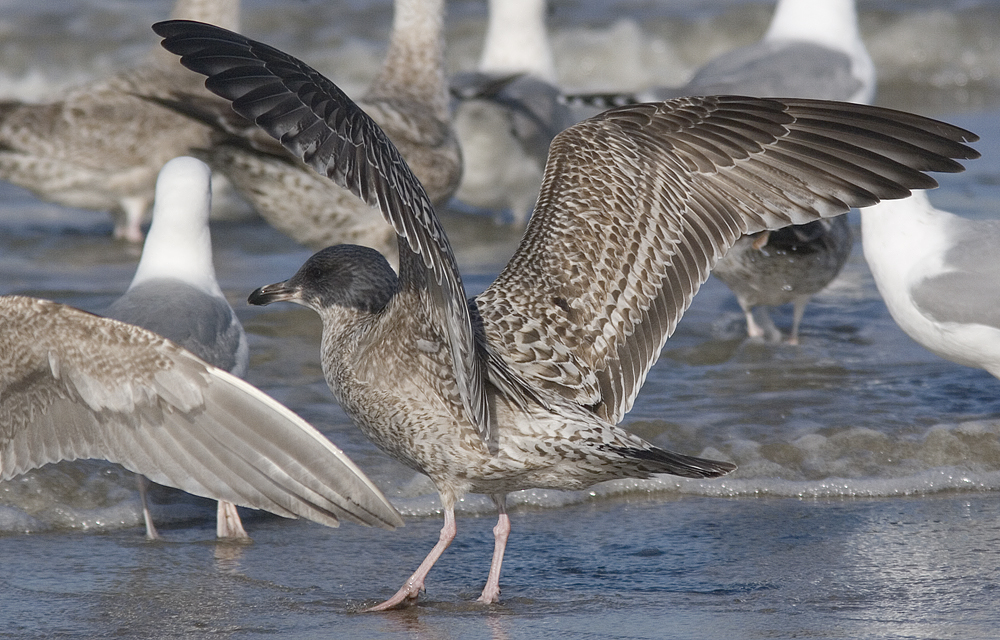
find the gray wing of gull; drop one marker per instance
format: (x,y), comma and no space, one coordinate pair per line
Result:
(798,69)
(318,123)
(74,385)
(764,69)
(639,203)
(968,290)
(202,323)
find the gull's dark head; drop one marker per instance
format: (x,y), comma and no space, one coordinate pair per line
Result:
(345,276)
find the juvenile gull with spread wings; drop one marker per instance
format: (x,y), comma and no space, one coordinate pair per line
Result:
(75,385)
(523,385)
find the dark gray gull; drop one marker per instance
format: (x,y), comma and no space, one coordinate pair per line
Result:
(772,268)
(523,385)
(409,100)
(174,293)
(98,146)
(75,385)
(939,276)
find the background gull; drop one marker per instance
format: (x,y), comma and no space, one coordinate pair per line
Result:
(772,268)
(99,146)
(811,49)
(174,292)
(409,99)
(523,386)
(509,110)
(75,385)
(939,276)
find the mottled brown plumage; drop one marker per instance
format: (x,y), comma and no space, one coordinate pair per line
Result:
(523,386)
(99,146)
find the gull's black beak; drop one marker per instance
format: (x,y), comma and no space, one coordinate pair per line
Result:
(277,292)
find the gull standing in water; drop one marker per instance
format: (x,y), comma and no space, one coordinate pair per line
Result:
(523,386)
(99,146)
(175,294)
(811,49)
(75,385)
(939,276)
(408,99)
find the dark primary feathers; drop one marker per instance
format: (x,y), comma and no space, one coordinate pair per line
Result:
(317,122)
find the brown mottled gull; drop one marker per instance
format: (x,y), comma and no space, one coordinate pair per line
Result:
(99,146)
(75,385)
(408,99)
(174,293)
(523,385)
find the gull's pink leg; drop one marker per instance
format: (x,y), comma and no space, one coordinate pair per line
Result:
(491,593)
(228,523)
(411,588)
(800,308)
(151,532)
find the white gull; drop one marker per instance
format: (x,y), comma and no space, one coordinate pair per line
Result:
(939,276)
(174,292)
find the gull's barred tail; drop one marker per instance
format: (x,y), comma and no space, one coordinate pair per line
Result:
(656,460)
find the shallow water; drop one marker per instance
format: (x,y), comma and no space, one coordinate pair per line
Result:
(866,500)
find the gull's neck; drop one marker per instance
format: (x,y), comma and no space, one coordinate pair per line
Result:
(517,40)
(414,63)
(179,244)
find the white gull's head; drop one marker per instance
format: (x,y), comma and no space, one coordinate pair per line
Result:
(179,244)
